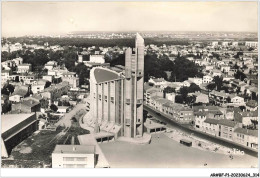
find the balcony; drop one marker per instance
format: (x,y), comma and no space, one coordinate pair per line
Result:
(127,101)
(128,122)
(138,122)
(139,74)
(139,101)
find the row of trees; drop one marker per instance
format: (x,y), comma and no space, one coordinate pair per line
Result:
(180,69)
(83,42)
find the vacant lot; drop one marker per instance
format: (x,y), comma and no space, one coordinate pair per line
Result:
(36,150)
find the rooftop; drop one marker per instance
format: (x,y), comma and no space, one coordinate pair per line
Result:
(247,132)
(212,121)
(226,122)
(102,75)
(75,149)
(11,120)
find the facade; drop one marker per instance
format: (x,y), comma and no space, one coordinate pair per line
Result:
(5,75)
(207,79)
(251,43)
(210,126)
(197,81)
(71,78)
(178,112)
(36,88)
(73,156)
(219,98)
(24,68)
(226,129)
(170,96)
(118,98)
(97,59)
(150,92)
(246,137)
(237,100)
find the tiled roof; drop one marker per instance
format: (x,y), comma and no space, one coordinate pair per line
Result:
(226,122)
(20,92)
(238,117)
(212,121)
(30,103)
(155,97)
(247,132)
(201,113)
(162,100)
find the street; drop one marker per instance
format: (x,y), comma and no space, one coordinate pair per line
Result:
(65,120)
(174,125)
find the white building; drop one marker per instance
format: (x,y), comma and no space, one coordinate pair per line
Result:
(197,81)
(170,96)
(36,88)
(225,43)
(207,79)
(214,43)
(234,43)
(251,43)
(73,156)
(24,68)
(97,59)
(237,100)
(63,109)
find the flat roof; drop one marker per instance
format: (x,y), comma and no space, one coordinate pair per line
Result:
(11,120)
(102,75)
(75,149)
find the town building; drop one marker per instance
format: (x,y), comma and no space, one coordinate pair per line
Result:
(246,137)
(226,129)
(26,106)
(97,59)
(207,79)
(24,68)
(251,44)
(74,156)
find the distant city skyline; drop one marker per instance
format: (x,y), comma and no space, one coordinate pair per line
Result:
(59,18)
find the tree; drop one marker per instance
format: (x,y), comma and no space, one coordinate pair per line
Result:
(179,99)
(169,90)
(7,89)
(218,82)
(184,92)
(190,99)
(6,107)
(193,88)
(73,119)
(47,84)
(211,86)
(54,107)
(240,75)
(83,73)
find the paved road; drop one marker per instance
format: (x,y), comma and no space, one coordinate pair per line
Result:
(65,120)
(172,124)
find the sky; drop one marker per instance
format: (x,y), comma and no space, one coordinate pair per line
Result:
(57,18)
